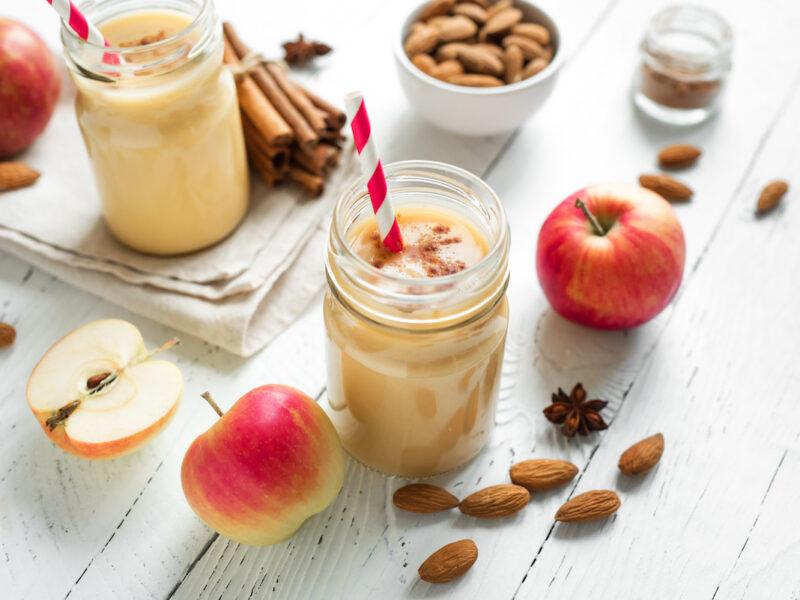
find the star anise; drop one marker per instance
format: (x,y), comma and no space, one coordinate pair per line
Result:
(576,413)
(301,51)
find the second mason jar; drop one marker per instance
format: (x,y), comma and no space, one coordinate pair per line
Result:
(414,362)
(160,120)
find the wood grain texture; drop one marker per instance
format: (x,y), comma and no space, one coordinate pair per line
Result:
(716,372)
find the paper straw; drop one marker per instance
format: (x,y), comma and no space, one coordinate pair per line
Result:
(373,171)
(85,30)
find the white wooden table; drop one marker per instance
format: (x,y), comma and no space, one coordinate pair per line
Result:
(718,372)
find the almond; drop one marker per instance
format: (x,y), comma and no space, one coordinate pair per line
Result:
(446,68)
(455,29)
(493,48)
(501,22)
(771,195)
(535,66)
(473,11)
(530,48)
(678,156)
(498,7)
(542,474)
(480,60)
(474,80)
(421,40)
(642,456)
(424,62)
(15,175)
(435,8)
(7,335)
(450,51)
(449,562)
(666,186)
(538,33)
(513,60)
(484,4)
(424,498)
(590,506)
(495,501)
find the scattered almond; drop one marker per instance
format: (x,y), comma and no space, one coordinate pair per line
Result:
(446,68)
(678,156)
(530,48)
(513,60)
(642,456)
(542,474)
(15,175)
(480,60)
(7,335)
(538,33)
(473,11)
(456,29)
(666,186)
(589,506)
(495,501)
(449,562)
(537,65)
(436,8)
(474,80)
(424,498)
(500,22)
(422,40)
(771,195)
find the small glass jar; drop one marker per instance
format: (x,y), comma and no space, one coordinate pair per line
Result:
(686,57)
(161,124)
(414,364)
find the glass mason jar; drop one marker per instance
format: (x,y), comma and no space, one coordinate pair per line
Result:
(414,364)
(161,124)
(686,58)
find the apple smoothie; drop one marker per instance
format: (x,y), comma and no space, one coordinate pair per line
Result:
(415,339)
(162,128)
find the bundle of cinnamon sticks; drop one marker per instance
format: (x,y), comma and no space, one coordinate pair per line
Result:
(289,131)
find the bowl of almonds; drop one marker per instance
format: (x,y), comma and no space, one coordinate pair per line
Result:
(477,67)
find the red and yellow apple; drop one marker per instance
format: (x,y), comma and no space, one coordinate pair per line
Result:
(611,256)
(268,464)
(29,86)
(97,393)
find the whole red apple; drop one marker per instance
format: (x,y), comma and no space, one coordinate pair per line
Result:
(29,86)
(268,464)
(611,256)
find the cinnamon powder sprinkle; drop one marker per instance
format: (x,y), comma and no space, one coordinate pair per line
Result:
(148,39)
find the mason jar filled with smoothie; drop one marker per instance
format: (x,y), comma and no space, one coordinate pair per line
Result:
(160,120)
(415,339)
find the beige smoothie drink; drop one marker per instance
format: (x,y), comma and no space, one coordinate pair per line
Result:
(416,339)
(164,133)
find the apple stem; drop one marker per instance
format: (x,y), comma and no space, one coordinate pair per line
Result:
(207,397)
(592,219)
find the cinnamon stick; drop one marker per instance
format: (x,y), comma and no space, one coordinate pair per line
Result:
(313,185)
(307,137)
(320,161)
(334,117)
(262,164)
(263,115)
(314,115)
(277,155)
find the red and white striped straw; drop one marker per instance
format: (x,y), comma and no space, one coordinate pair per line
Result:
(81,26)
(373,171)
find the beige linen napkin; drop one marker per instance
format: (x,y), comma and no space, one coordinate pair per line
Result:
(238,294)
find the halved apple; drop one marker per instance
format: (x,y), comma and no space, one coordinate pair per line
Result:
(97,393)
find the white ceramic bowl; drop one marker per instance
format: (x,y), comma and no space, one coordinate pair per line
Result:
(478,111)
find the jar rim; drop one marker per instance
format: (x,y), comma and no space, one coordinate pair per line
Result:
(698,16)
(359,187)
(396,301)
(103,71)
